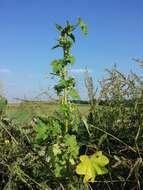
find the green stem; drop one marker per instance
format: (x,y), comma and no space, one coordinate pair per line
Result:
(65,90)
(65,98)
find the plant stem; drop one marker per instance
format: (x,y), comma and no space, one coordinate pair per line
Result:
(65,90)
(65,98)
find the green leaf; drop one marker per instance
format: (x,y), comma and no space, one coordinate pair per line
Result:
(59,27)
(70,140)
(86,125)
(71,59)
(91,166)
(41,130)
(58,169)
(71,82)
(83,26)
(59,87)
(57,65)
(102,139)
(74,94)
(64,84)
(56,46)
(56,149)
(72,37)
(72,146)
(56,128)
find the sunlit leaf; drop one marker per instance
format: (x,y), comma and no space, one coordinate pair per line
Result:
(74,94)
(82,25)
(91,166)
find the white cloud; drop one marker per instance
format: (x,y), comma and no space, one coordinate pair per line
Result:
(80,71)
(5,71)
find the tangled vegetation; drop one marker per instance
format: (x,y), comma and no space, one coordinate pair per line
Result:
(68,151)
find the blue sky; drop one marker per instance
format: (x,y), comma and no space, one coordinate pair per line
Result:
(27,33)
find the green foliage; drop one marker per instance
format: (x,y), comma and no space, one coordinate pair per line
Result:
(41,131)
(57,66)
(83,26)
(66,39)
(64,84)
(116,124)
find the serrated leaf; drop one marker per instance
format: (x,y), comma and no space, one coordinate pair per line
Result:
(56,128)
(57,65)
(70,140)
(82,25)
(41,131)
(91,166)
(72,146)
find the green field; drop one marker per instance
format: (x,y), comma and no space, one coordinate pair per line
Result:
(39,108)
